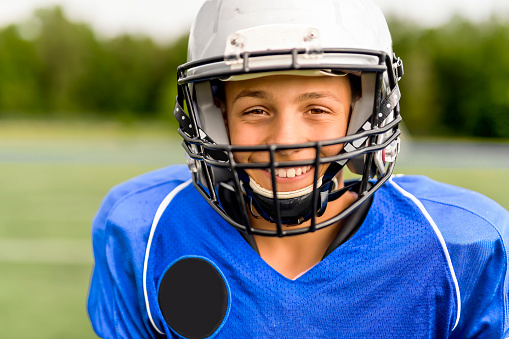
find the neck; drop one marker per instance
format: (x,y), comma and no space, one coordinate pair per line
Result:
(293,255)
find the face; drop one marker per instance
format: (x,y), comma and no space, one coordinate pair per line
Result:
(287,109)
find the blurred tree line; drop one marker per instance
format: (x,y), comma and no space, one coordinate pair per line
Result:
(50,66)
(456,82)
(457,77)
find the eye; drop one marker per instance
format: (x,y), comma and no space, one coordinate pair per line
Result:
(318,111)
(256,111)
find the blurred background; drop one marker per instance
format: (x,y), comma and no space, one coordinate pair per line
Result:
(87,91)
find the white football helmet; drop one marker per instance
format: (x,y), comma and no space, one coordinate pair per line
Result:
(237,39)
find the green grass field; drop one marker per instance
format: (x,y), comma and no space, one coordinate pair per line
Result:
(53,178)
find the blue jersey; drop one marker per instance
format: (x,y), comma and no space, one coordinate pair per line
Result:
(429,261)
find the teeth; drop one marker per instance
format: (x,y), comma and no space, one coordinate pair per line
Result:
(292,172)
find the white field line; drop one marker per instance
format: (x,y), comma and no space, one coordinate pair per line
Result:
(47,251)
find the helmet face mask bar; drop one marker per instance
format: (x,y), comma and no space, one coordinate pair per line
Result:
(206,157)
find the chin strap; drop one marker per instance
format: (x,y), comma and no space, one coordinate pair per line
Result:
(295,210)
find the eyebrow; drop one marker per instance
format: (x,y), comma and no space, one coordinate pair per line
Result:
(317,95)
(259,94)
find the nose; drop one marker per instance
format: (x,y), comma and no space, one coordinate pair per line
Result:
(286,130)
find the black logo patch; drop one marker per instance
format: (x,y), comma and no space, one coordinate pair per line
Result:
(193,298)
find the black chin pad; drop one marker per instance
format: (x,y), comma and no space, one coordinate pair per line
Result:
(294,211)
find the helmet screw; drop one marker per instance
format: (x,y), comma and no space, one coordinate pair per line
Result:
(236,40)
(311,35)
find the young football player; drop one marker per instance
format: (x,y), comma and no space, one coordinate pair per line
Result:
(260,235)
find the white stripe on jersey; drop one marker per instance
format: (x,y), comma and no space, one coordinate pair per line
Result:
(442,242)
(160,210)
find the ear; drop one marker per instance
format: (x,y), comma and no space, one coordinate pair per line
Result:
(355,87)
(356,90)
(222,106)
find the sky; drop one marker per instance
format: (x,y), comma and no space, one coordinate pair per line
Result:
(166,19)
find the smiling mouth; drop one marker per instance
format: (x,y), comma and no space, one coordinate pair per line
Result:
(291,172)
